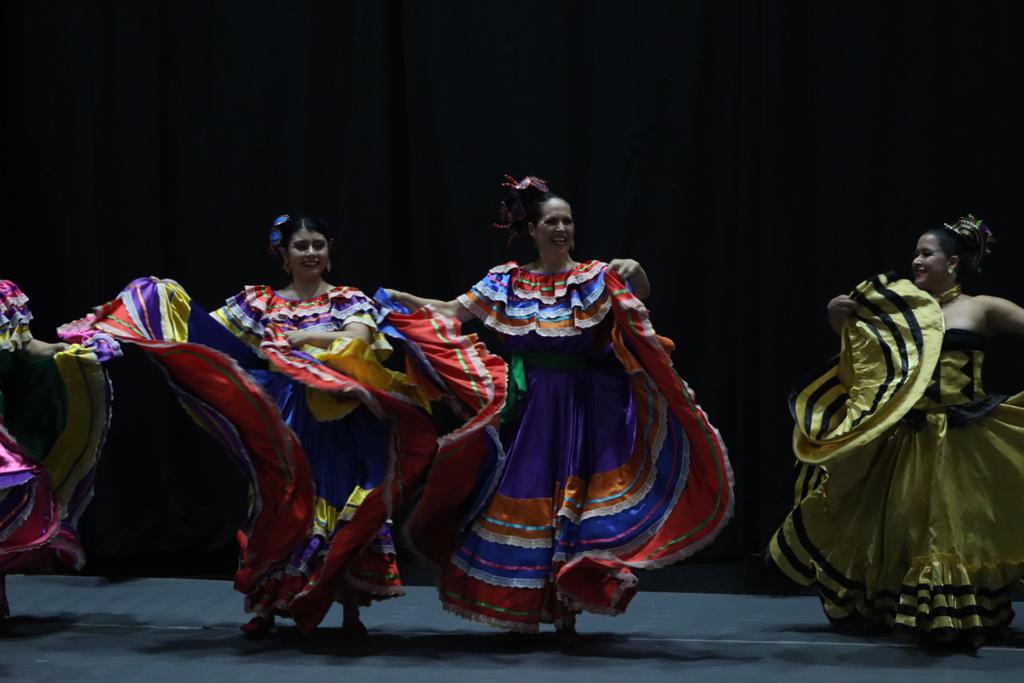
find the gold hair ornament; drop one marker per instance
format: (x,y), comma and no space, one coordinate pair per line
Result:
(977,235)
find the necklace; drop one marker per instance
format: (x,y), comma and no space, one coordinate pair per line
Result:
(949,294)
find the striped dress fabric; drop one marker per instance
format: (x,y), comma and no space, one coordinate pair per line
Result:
(54,416)
(277,410)
(607,465)
(317,431)
(909,479)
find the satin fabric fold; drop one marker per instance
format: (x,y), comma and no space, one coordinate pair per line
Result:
(213,373)
(908,523)
(54,416)
(609,466)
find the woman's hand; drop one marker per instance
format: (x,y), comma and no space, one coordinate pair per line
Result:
(404,298)
(840,309)
(410,301)
(40,349)
(450,309)
(299,338)
(625,267)
(323,339)
(630,269)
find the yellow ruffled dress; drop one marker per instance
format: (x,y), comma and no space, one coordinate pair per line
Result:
(910,491)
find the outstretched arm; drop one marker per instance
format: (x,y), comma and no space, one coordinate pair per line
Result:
(450,309)
(629,269)
(1002,315)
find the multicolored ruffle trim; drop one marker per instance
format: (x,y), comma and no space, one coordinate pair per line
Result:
(247,314)
(15,317)
(515,301)
(678,498)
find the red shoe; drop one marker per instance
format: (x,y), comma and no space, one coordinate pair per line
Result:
(258,626)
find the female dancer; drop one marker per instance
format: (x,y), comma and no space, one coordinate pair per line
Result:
(607,464)
(345,444)
(909,522)
(54,413)
(354,419)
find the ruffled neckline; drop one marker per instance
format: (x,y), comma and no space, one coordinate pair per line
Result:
(256,304)
(275,294)
(547,287)
(559,273)
(515,301)
(268,299)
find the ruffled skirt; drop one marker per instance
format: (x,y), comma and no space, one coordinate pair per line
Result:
(347,458)
(54,415)
(919,530)
(346,448)
(591,473)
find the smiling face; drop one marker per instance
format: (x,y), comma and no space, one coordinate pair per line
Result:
(931,265)
(554,228)
(307,255)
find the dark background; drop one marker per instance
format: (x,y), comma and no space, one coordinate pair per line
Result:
(757,157)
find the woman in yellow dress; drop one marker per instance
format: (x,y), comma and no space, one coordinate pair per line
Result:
(912,476)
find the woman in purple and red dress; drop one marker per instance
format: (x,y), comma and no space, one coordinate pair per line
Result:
(54,413)
(291,381)
(605,462)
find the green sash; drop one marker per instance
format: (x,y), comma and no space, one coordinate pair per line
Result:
(517,365)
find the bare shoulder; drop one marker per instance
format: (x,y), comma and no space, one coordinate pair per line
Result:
(992,302)
(1001,315)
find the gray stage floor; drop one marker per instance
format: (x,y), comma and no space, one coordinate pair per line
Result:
(87,629)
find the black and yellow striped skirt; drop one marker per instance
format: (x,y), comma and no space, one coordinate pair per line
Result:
(918,530)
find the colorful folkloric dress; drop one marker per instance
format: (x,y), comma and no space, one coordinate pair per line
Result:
(605,463)
(54,414)
(345,444)
(315,430)
(912,478)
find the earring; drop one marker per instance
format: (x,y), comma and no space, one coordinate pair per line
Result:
(328,268)
(951,270)
(287,268)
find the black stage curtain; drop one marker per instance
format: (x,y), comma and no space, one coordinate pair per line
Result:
(757,157)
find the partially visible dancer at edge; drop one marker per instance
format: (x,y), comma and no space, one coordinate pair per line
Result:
(291,381)
(912,484)
(54,414)
(607,463)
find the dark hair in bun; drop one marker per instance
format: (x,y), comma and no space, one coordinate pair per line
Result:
(968,238)
(522,203)
(287,225)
